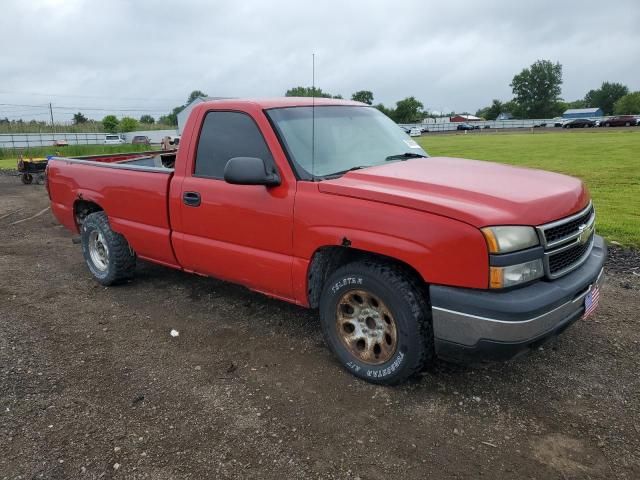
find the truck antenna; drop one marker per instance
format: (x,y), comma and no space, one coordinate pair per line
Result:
(313,116)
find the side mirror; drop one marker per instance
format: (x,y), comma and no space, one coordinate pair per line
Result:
(250,171)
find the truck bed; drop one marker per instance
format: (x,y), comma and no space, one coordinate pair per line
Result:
(156,158)
(116,183)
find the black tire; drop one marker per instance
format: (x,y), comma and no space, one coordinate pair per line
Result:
(26,178)
(120,262)
(627,124)
(402,296)
(607,125)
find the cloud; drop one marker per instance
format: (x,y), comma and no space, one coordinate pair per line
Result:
(149,55)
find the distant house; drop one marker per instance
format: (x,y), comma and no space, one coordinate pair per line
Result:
(504,116)
(184,114)
(583,112)
(465,118)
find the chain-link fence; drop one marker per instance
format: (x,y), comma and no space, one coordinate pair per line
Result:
(14,144)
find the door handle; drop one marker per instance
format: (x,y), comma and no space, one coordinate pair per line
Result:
(192,199)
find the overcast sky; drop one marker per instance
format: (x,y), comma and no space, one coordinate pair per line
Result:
(148,55)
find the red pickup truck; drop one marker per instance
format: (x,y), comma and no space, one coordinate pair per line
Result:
(330,205)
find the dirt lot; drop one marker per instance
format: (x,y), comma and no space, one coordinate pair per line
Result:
(92,384)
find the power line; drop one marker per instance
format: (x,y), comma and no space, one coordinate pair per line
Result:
(112,109)
(78,108)
(154,99)
(20,105)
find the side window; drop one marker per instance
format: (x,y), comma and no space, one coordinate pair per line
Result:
(227,135)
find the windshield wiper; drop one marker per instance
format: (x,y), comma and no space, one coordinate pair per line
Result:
(404,156)
(339,174)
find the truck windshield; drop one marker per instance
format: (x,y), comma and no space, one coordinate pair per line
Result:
(346,138)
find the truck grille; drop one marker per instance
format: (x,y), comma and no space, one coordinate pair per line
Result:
(568,242)
(559,232)
(565,259)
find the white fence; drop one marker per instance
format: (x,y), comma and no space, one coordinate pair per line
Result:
(27,140)
(446,125)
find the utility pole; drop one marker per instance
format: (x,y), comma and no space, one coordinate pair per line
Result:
(51,113)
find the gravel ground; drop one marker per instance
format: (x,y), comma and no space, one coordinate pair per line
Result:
(92,384)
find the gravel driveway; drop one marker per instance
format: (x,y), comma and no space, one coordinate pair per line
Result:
(93,385)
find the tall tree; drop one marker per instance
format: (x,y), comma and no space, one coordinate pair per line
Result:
(389,112)
(364,96)
(172,117)
(537,88)
(128,124)
(629,104)
(148,119)
(110,123)
(492,111)
(577,104)
(606,96)
(408,110)
(195,94)
(79,118)
(309,92)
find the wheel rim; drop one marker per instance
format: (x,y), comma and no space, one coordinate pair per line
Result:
(98,250)
(366,327)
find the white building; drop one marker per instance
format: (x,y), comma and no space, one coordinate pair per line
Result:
(184,114)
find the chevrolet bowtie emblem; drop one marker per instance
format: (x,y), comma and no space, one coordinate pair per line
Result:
(584,234)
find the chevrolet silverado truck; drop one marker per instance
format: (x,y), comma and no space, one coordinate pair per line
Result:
(328,204)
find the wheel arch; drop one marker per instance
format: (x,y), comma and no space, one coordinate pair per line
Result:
(82,208)
(327,259)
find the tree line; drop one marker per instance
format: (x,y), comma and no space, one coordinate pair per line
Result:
(407,110)
(537,89)
(536,94)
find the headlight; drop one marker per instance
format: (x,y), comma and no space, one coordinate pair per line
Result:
(510,239)
(503,277)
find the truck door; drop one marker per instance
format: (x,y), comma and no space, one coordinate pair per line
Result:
(239,233)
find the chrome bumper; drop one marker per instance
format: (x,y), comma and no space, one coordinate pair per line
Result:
(481,320)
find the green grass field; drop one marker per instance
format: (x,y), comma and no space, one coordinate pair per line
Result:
(608,162)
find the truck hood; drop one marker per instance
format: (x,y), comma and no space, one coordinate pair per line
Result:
(476,192)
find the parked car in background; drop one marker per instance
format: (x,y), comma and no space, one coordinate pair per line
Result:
(113,139)
(559,122)
(467,126)
(60,143)
(620,121)
(140,140)
(579,123)
(415,132)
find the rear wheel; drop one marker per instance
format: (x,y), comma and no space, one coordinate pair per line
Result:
(376,320)
(107,253)
(627,124)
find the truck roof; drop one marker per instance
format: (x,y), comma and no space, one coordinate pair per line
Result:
(279,102)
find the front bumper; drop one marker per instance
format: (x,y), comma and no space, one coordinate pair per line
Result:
(473,326)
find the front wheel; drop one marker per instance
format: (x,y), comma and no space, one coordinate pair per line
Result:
(376,320)
(26,178)
(107,253)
